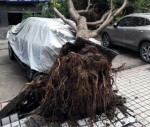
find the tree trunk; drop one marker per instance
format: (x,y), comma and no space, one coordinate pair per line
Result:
(83,30)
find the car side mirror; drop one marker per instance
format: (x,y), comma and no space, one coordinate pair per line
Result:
(115,25)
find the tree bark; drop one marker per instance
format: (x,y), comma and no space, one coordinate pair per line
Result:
(83,30)
(81,22)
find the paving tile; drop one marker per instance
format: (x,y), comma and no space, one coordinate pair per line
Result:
(8,125)
(135,84)
(148,118)
(14,118)
(137,101)
(138,125)
(137,106)
(139,117)
(65,124)
(137,111)
(15,124)
(5,121)
(148,112)
(147,106)
(147,101)
(133,107)
(143,121)
(143,109)
(107,122)
(124,121)
(114,120)
(24,125)
(88,120)
(120,116)
(143,115)
(148,125)
(103,117)
(22,121)
(98,124)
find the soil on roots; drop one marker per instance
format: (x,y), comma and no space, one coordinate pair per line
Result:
(78,85)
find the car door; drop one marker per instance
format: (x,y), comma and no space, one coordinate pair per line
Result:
(118,34)
(135,32)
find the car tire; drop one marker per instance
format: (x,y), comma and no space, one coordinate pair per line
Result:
(30,73)
(145,52)
(106,41)
(11,52)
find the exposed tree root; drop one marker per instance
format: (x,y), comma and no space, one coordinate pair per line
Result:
(78,85)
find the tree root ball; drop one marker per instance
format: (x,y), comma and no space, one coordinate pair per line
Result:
(79,84)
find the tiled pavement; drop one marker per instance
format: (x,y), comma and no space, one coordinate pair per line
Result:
(134,84)
(119,120)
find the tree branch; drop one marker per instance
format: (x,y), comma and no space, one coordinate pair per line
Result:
(111,10)
(73,13)
(86,10)
(63,18)
(107,22)
(89,4)
(100,21)
(81,12)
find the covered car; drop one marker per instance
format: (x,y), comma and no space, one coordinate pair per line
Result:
(36,42)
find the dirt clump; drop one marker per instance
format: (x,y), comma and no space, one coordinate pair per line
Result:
(78,85)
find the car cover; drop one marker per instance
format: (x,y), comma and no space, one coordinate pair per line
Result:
(37,41)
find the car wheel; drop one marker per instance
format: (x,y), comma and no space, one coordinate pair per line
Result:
(106,42)
(30,73)
(145,52)
(11,52)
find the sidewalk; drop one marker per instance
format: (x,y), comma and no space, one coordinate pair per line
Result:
(134,84)
(3,32)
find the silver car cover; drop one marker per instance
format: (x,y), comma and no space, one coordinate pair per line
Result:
(37,41)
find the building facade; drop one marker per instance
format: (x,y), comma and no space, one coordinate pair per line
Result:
(11,10)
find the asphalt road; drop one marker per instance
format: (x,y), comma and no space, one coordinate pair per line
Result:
(13,76)
(131,58)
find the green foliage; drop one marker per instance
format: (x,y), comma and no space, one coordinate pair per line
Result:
(64,9)
(47,11)
(27,14)
(133,6)
(139,6)
(142,6)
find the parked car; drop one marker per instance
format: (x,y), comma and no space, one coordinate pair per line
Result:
(132,31)
(36,42)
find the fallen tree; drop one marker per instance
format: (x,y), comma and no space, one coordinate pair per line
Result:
(80,82)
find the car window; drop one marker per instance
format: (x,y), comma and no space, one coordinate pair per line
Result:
(138,21)
(147,22)
(125,22)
